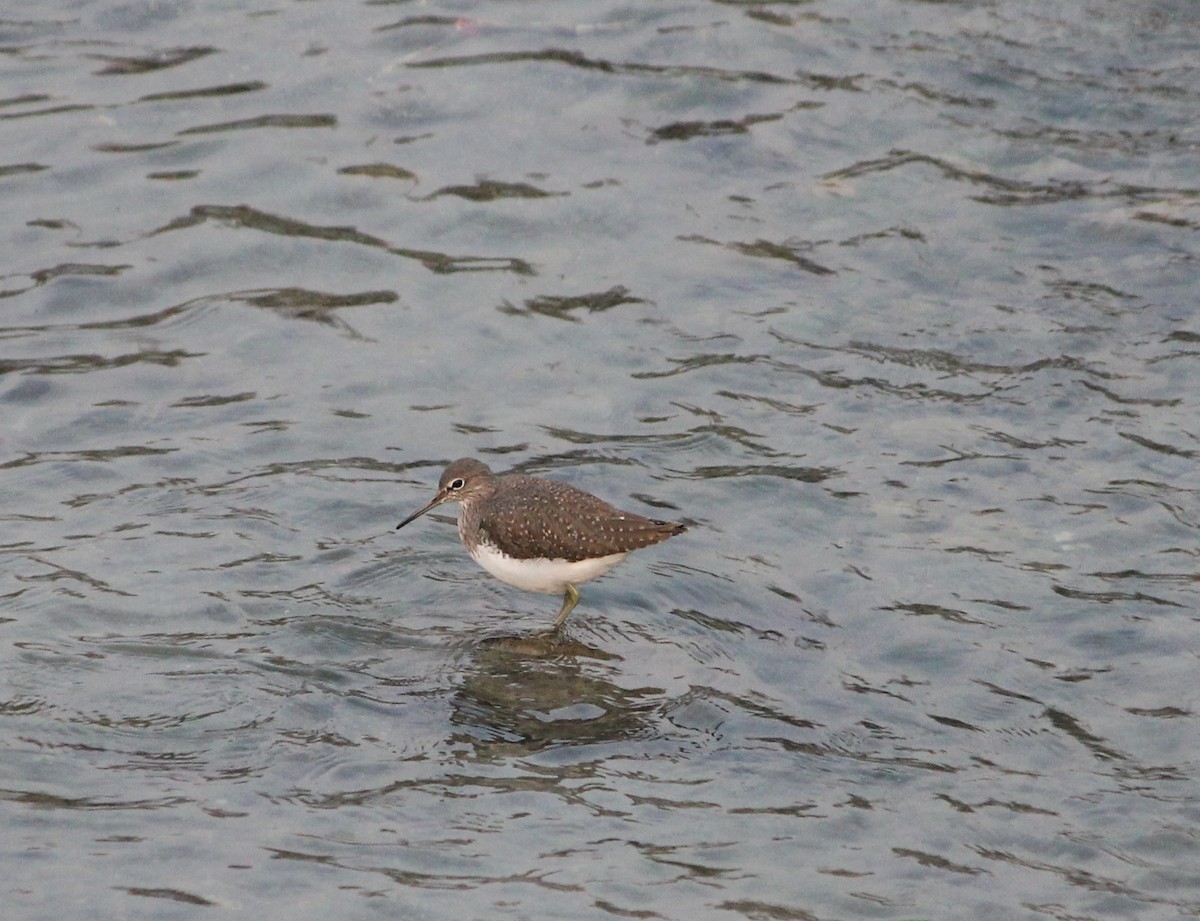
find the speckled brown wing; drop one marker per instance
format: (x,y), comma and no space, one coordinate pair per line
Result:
(529,518)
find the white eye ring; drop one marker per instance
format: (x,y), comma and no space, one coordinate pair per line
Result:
(457,484)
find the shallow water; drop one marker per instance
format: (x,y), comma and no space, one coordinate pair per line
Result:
(896,308)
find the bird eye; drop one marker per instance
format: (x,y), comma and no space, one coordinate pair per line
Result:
(457,484)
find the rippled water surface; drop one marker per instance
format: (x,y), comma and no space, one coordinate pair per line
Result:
(894,304)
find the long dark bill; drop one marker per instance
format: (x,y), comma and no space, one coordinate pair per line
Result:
(432,504)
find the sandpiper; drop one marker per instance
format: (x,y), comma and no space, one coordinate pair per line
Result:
(540,535)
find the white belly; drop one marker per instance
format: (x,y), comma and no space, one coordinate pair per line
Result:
(548,576)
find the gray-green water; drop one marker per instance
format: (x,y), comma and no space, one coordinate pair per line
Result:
(895,304)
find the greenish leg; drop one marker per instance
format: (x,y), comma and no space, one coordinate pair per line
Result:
(570,599)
